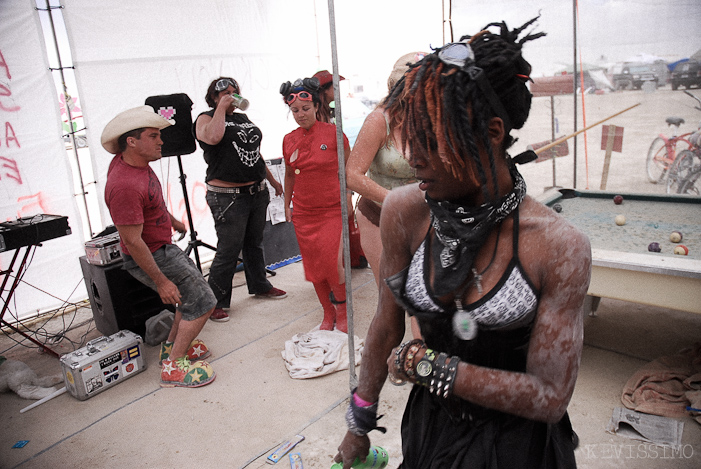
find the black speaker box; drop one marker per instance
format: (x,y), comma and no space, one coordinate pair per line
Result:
(118,300)
(178,138)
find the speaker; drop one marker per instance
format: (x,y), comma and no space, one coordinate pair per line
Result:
(178,138)
(118,300)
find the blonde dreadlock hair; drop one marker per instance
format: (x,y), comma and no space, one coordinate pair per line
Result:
(444,114)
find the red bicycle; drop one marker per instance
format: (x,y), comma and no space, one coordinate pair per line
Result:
(686,161)
(663,151)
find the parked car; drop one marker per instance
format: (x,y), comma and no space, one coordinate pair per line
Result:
(686,74)
(632,76)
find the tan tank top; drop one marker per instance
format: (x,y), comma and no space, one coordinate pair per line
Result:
(389,168)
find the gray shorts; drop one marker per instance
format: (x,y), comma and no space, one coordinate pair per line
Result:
(196,295)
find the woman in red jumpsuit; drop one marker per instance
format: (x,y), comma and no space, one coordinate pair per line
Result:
(313,198)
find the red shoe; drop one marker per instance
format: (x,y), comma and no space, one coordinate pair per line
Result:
(219,315)
(341,317)
(341,313)
(182,372)
(329,319)
(273,294)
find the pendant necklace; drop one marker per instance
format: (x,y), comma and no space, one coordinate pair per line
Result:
(464,324)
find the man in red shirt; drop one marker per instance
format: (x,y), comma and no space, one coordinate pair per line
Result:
(135,200)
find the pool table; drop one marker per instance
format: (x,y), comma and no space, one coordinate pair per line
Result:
(622,266)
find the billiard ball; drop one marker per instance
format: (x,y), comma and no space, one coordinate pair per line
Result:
(557,208)
(618,199)
(681,250)
(654,247)
(620,220)
(675,237)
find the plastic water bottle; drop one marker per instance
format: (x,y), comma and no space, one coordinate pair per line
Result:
(240,102)
(378,458)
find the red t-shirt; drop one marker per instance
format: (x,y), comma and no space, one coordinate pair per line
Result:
(134,197)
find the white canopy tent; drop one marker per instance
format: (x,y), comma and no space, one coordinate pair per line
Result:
(123,53)
(127,51)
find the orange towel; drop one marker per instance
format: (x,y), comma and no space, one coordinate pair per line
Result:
(667,385)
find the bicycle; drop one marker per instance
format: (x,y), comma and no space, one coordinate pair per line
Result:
(687,161)
(663,150)
(692,183)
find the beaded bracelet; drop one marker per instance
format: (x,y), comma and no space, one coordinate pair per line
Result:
(400,356)
(409,359)
(395,375)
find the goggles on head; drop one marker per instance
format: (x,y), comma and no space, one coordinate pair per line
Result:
(302,95)
(306,84)
(457,53)
(224,83)
(460,54)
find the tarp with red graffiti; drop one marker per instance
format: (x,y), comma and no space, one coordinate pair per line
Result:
(35,176)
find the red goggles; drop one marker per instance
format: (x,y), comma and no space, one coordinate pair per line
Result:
(303,95)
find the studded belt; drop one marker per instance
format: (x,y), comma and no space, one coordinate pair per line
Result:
(250,189)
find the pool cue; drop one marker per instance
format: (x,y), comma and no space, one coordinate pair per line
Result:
(567,137)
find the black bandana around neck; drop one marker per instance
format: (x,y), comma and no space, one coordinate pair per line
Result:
(460,232)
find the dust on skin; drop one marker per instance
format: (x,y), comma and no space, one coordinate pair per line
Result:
(557,258)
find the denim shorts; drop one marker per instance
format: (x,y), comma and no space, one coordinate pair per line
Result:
(196,295)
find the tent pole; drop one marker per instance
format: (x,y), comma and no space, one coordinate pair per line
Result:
(66,97)
(574,86)
(344,204)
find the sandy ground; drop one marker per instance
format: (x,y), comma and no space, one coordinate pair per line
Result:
(640,126)
(254,406)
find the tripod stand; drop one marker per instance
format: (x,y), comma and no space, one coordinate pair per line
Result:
(193,244)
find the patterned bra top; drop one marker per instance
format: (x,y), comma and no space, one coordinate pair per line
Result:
(511,304)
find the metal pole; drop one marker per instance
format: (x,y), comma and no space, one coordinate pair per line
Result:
(574,85)
(66,96)
(552,126)
(443,18)
(344,204)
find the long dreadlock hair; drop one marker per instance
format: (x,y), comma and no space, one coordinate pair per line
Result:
(444,115)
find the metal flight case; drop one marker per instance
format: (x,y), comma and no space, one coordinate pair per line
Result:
(103,363)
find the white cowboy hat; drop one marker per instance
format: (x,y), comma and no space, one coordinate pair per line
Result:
(131,119)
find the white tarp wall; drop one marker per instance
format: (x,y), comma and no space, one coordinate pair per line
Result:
(35,176)
(127,51)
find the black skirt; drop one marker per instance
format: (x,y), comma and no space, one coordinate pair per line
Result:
(439,435)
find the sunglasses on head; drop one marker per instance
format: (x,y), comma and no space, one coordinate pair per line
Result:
(224,83)
(302,95)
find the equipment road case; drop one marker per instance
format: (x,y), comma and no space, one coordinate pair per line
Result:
(102,363)
(103,250)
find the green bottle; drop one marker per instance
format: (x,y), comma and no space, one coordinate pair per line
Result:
(378,458)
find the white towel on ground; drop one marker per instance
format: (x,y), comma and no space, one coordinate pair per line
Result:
(318,353)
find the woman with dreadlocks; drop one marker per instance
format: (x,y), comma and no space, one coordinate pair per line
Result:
(495,279)
(312,185)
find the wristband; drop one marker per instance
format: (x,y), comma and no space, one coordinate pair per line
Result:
(362,420)
(360,402)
